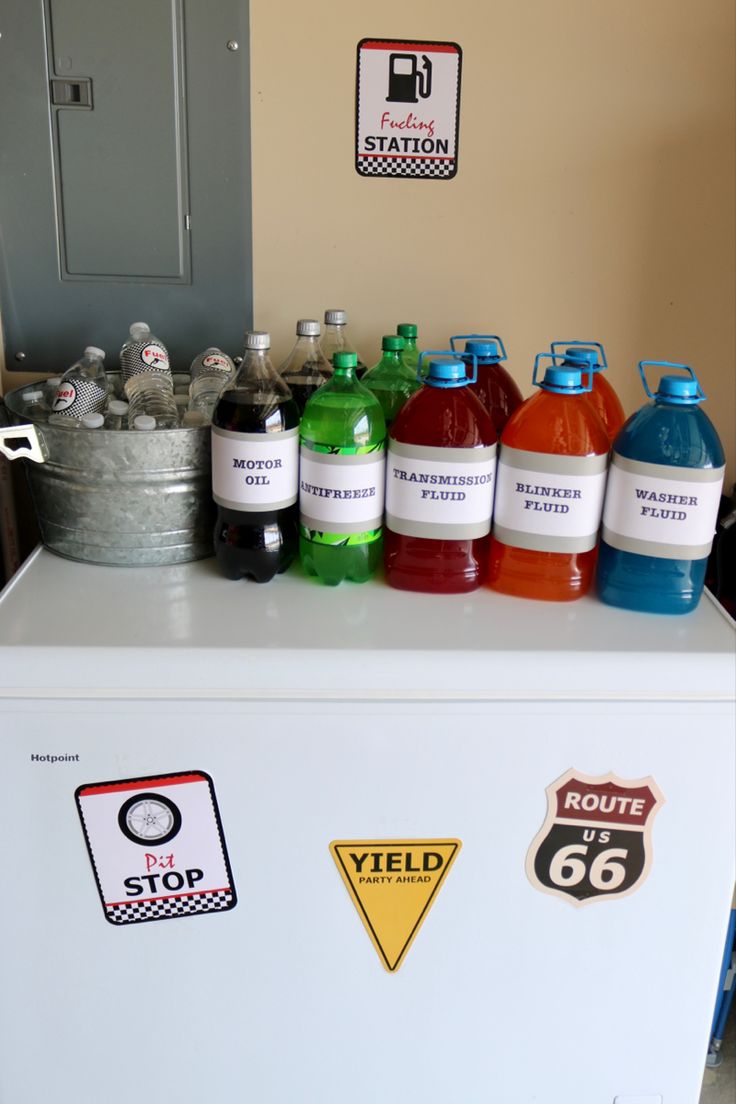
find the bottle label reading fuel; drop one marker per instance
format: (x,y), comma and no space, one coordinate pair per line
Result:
(658,510)
(439,493)
(255,471)
(547,502)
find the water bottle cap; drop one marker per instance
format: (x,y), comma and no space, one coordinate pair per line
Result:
(193,418)
(144,421)
(564,381)
(446,373)
(345,360)
(139,330)
(407,329)
(257,339)
(92,421)
(308,327)
(391,343)
(52,381)
(34,396)
(484,350)
(336,318)
(117,406)
(93,351)
(681,389)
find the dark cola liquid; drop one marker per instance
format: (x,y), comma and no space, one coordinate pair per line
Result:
(252,545)
(302,392)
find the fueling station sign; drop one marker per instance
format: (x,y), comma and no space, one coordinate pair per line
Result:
(407,108)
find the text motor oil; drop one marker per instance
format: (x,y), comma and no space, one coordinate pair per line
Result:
(662,499)
(495,387)
(549,489)
(439,484)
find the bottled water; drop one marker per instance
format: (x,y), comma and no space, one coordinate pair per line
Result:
(149,388)
(82,389)
(117,415)
(193,419)
(93,421)
(211,371)
(144,422)
(50,387)
(34,405)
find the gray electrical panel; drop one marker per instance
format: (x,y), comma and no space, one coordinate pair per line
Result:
(125,176)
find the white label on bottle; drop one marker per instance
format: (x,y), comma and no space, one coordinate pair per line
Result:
(65,396)
(155,356)
(214,360)
(657,510)
(439,493)
(255,471)
(340,492)
(547,502)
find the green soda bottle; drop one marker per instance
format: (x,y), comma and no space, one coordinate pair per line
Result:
(390,380)
(410,355)
(341,479)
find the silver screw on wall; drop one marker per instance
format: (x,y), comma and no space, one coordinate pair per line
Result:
(233,45)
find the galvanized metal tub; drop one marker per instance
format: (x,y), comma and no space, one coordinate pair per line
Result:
(115,496)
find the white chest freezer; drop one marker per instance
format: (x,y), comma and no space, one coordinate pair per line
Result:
(298,845)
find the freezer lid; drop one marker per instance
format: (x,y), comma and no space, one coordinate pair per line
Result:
(77,630)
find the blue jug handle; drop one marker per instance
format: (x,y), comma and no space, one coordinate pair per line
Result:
(452,355)
(478,337)
(667,364)
(586,345)
(554,357)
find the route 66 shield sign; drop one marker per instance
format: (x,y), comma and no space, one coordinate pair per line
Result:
(596,839)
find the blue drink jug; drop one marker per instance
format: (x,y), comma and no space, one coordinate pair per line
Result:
(662,498)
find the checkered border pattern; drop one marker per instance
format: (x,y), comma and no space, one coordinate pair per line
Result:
(133,912)
(405,166)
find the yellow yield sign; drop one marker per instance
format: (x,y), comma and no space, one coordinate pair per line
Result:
(393,884)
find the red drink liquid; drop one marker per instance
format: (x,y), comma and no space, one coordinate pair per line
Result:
(439,418)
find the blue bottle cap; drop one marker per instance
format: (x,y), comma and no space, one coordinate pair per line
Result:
(484,350)
(564,378)
(564,381)
(446,373)
(680,390)
(482,346)
(577,354)
(589,353)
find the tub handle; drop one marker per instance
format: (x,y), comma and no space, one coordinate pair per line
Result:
(23,442)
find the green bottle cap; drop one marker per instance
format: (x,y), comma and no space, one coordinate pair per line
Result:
(345,360)
(406,329)
(392,344)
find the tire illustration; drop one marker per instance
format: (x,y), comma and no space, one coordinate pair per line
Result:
(149,818)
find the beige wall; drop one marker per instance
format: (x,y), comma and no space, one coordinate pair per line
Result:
(594,198)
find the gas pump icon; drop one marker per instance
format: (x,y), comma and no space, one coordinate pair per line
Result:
(405,83)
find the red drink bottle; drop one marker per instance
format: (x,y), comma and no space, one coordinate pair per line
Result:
(549,491)
(591,354)
(439,484)
(495,388)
